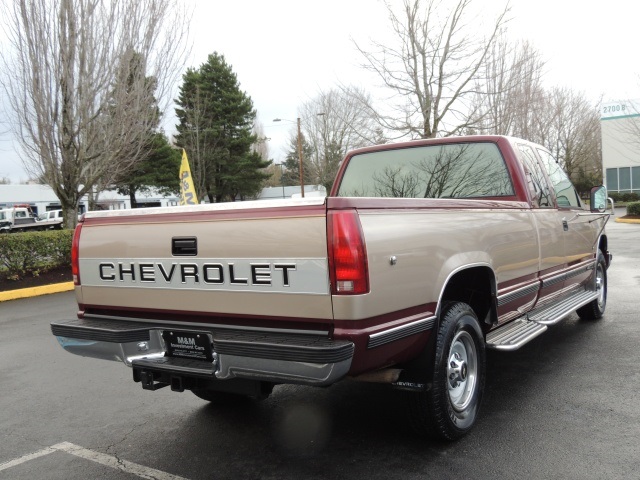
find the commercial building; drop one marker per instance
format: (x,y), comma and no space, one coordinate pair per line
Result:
(620,124)
(42,199)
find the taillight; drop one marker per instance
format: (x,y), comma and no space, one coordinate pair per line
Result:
(75,268)
(347,253)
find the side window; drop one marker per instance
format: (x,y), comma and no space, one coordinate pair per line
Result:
(20,214)
(538,184)
(566,195)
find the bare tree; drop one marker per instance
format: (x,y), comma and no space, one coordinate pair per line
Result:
(559,118)
(275,172)
(434,67)
(78,122)
(334,122)
(196,137)
(262,141)
(575,138)
(509,90)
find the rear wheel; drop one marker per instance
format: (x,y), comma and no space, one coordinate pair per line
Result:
(594,310)
(449,408)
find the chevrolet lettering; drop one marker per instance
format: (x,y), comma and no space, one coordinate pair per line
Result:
(209,273)
(293,276)
(424,255)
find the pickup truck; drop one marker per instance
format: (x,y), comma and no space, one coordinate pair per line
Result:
(21,219)
(424,255)
(52,219)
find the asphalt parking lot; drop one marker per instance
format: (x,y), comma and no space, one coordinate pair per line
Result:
(564,406)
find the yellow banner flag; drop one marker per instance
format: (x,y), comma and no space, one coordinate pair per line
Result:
(187,189)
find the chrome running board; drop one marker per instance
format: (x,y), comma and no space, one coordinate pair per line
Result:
(517,333)
(552,314)
(513,335)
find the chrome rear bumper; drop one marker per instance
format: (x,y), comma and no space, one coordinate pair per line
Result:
(271,357)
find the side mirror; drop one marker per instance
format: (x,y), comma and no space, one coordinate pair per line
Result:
(598,203)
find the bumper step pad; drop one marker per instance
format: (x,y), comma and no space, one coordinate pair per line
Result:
(176,365)
(115,331)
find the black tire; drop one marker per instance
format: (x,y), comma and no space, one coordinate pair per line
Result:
(450,407)
(594,310)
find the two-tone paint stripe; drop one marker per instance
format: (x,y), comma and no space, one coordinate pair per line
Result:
(519,293)
(547,282)
(402,331)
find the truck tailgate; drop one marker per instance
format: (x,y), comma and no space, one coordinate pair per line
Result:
(224,259)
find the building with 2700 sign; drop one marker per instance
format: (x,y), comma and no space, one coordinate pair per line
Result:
(620,123)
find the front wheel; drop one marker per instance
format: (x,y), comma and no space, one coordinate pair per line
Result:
(449,408)
(594,310)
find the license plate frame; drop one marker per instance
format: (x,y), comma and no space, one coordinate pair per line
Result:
(188,344)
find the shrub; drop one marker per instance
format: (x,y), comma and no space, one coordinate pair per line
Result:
(26,253)
(624,197)
(633,208)
(630,197)
(615,196)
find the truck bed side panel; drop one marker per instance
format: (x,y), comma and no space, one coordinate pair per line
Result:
(428,245)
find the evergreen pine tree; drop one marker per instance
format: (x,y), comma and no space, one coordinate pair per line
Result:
(291,175)
(159,170)
(216,119)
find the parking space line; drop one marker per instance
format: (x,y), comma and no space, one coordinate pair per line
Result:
(26,458)
(97,457)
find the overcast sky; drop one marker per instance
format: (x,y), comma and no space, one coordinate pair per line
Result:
(285,51)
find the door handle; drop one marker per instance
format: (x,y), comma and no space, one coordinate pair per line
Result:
(565,224)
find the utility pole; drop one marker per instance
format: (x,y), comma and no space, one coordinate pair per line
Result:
(299,151)
(300,159)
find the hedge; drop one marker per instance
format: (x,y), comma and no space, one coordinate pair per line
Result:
(28,253)
(624,197)
(633,208)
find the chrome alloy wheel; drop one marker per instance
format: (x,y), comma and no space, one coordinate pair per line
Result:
(600,285)
(462,371)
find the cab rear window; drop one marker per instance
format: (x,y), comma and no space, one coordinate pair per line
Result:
(464,170)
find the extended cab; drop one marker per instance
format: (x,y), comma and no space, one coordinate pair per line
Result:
(424,254)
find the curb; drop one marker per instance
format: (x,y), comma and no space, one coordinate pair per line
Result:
(628,220)
(36,291)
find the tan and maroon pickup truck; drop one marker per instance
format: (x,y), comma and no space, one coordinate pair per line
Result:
(425,254)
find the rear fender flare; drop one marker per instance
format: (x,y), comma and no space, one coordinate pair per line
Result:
(485,265)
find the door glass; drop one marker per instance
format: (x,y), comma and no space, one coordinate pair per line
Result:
(566,195)
(538,184)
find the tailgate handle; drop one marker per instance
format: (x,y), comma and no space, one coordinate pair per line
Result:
(184,246)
